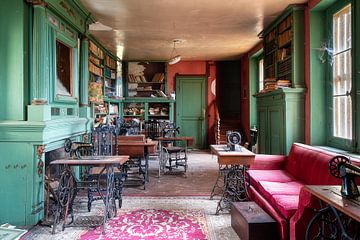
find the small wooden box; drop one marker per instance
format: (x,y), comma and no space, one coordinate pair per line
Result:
(251,222)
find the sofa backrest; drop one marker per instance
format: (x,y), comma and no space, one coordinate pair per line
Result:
(311,165)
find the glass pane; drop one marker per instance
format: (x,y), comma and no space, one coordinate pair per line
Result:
(342,73)
(63,69)
(342,29)
(342,117)
(261,74)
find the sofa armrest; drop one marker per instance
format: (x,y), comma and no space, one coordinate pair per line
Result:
(268,162)
(306,210)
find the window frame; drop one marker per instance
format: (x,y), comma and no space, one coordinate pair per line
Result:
(260,58)
(333,141)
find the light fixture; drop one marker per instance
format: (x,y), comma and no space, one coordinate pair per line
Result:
(175,57)
(98,26)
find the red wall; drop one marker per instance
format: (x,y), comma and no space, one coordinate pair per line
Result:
(184,68)
(207,69)
(245,86)
(307,74)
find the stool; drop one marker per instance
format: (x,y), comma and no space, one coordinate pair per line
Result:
(251,222)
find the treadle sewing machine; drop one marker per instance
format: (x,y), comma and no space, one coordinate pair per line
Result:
(233,140)
(76,149)
(232,182)
(340,217)
(341,167)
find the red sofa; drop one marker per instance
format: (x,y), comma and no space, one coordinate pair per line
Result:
(277,185)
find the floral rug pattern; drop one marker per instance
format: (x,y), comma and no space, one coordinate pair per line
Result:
(151,224)
(199,210)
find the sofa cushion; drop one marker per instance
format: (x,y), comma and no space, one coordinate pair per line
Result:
(285,204)
(267,189)
(310,164)
(269,176)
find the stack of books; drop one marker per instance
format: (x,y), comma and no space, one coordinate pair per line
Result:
(158,77)
(271,84)
(283,83)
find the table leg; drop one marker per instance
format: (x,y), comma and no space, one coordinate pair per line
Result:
(235,189)
(221,175)
(328,223)
(109,198)
(66,195)
(146,166)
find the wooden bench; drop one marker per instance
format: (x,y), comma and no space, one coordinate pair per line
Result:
(251,222)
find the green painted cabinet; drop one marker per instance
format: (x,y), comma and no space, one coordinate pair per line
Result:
(281,120)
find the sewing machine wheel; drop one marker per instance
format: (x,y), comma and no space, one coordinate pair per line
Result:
(335,163)
(67,145)
(234,138)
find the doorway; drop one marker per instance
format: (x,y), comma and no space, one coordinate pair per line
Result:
(190,108)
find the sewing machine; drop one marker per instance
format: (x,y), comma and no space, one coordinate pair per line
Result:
(76,149)
(341,167)
(233,140)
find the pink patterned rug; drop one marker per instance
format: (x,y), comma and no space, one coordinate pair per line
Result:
(151,224)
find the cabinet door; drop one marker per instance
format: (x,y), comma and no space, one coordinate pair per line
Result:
(262,129)
(276,130)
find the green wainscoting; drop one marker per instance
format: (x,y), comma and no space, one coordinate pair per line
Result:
(28,67)
(13,60)
(21,187)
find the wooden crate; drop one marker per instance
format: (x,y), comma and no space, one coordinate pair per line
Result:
(251,222)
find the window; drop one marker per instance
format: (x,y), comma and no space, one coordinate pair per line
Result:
(64,66)
(341,78)
(261,74)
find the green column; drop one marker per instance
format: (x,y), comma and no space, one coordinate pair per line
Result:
(84,110)
(41,61)
(84,72)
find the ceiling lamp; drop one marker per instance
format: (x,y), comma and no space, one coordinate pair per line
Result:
(98,26)
(175,57)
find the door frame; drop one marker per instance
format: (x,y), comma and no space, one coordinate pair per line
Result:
(203,78)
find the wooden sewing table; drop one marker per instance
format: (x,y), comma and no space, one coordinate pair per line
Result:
(137,149)
(232,166)
(337,205)
(68,185)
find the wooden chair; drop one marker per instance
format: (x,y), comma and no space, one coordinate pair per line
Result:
(173,156)
(136,167)
(103,138)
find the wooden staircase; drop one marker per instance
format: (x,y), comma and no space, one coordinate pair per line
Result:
(225,125)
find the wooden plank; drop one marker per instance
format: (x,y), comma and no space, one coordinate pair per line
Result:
(332,196)
(98,160)
(226,157)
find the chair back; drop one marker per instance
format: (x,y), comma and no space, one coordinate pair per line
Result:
(103,139)
(153,129)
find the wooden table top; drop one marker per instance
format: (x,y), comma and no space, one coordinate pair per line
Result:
(93,160)
(225,156)
(136,143)
(189,140)
(332,196)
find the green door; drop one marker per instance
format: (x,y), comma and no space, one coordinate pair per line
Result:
(190,108)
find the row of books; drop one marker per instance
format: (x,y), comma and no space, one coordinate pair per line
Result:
(158,77)
(271,84)
(136,78)
(110,62)
(96,50)
(95,69)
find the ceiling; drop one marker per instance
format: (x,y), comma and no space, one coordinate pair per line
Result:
(212,29)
